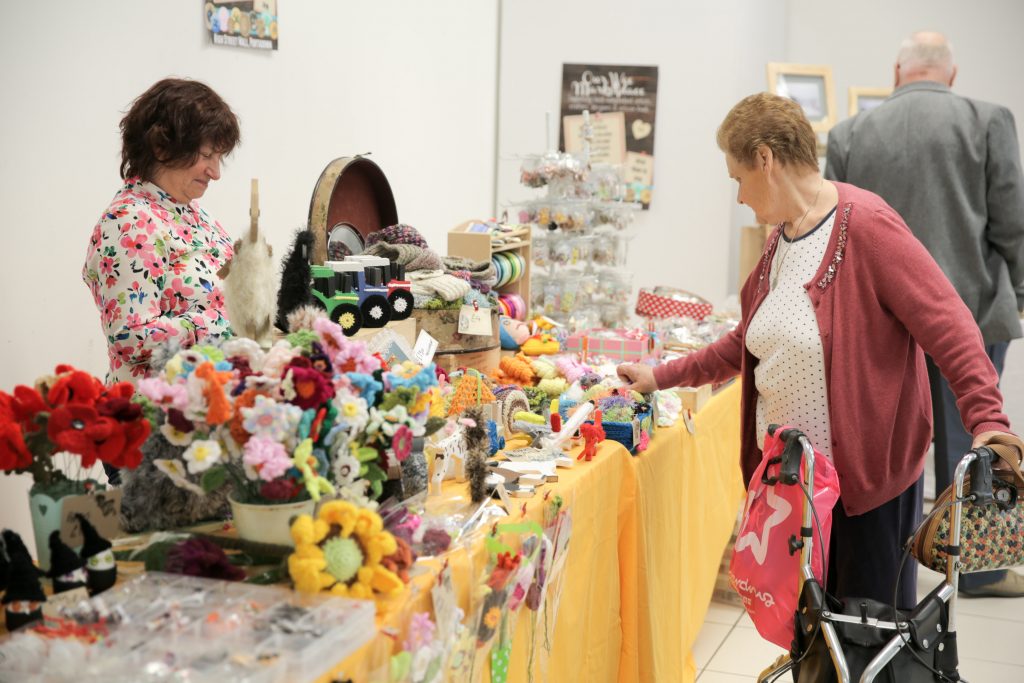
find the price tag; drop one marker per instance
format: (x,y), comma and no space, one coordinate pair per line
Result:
(425,348)
(475,320)
(688,421)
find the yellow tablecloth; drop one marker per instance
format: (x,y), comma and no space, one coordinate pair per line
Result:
(648,533)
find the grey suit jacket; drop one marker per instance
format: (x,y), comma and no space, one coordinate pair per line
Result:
(950,166)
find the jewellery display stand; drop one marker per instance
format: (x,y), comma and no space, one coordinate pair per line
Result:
(580,239)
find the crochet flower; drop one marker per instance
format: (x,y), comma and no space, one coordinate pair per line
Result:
(401,443)
(245,348)
(266,417)
(280,489)
(332,337)
(74,386)
(352,411)
(389,422)
(340,551)
(13,453)
(201,557)
(277,358)
(202,455)
(353,357)
(346,468)
(312,389)
(366,385)
(269,458)
(174,436)
(175,470)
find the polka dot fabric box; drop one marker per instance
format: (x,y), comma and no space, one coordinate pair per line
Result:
(627,346)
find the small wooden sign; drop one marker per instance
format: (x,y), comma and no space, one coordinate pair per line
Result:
(101,508)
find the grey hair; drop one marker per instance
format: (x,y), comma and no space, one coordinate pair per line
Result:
(925,51)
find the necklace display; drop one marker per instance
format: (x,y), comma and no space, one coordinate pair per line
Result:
(796,234)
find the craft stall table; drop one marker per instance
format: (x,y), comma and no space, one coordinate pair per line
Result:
(648,533)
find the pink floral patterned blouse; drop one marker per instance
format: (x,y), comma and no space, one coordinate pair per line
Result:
(152,269)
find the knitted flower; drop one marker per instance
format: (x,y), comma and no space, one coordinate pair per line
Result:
(399,417)
(352,411)
(312,389)
(269,458)
(341,551)
(202,455)
(276,421)
(346,468)
(401,443)
(175,436)
(201,557)
(366,385)
(282,489)
(353,357)
(277,358)
(245,348)
(332,337)
(163,394)
(175,470)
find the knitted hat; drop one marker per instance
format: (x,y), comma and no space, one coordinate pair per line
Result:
(23,581)
(411,256)
(65,565)
(94,543)
(397,234)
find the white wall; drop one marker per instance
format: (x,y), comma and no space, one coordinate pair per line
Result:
(860,40)
(412,82)
(709,55)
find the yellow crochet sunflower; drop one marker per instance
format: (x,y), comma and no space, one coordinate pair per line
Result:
(340,552)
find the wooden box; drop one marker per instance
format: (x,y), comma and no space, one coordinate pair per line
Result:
(478,246)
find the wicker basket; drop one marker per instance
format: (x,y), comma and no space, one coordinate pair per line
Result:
(625,433)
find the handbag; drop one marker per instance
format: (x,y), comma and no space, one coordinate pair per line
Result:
(991,536)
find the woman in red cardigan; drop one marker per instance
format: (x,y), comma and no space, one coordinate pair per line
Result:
(835,323)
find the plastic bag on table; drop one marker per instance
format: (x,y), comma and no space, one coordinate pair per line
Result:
(762,570)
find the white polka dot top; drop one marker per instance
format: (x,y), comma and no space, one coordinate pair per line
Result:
(784,336)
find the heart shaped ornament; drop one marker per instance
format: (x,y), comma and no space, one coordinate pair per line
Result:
(641,129)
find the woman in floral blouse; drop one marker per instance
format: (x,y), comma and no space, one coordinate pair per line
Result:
(154,255)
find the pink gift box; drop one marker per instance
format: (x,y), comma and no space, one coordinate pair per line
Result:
(617,344)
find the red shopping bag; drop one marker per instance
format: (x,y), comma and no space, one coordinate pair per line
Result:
(762,570)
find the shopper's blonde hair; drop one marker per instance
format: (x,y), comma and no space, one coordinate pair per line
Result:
(773,121)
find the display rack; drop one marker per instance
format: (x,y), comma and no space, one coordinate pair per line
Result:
(482,246)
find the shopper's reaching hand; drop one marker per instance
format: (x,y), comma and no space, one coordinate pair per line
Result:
(637,377)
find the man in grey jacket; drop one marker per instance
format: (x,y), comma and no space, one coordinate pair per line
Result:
(951,167)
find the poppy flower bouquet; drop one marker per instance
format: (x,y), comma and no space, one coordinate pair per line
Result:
(69,415)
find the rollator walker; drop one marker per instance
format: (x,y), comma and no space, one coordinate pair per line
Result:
(859,639)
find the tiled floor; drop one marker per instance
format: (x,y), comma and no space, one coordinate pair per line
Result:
(990,638)
(990,631)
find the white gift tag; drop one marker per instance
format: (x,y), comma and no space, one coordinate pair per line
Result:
(475,320)
(443,595)
(688,421)
(425,348)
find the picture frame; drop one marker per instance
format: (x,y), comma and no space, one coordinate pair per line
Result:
(810,86)
(862,99)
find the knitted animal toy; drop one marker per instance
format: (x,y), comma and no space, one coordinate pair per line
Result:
(478,446)
(295,289)
(593,434)
(218,410)
(24,598)
(250,283)
(97,553)
(515,370)
(67,570)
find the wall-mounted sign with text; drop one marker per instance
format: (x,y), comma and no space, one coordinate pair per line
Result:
(622,101)
(251,23)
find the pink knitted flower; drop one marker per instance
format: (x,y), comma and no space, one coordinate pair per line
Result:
(401,442)
(163,394)
(269,458)
(353,357)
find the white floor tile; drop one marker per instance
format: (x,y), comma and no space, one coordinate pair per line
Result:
(722,613)
(991,640)
(978,671)
(709,639)
(744,653)
(708,676)
(1008,609)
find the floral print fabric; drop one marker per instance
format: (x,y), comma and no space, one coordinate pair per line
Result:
(152,269)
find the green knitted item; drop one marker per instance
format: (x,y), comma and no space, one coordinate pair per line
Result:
(344,558)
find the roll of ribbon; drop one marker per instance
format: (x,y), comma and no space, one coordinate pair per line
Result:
(514,304)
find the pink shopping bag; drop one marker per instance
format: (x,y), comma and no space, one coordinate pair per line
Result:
(763,571)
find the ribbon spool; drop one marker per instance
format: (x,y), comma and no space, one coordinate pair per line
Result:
(513,306)
(509,267)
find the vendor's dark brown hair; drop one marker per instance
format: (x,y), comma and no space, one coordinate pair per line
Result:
(168,124)
(776,122)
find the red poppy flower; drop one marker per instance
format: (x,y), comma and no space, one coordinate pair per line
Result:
(68,427)
(121,390)
(26,404)
(75,387)
(129,456)
(14,455)
(312,389)
(121,409)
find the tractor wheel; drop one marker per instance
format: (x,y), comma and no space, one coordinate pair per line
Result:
(348,317)
(401,304)
(376,311)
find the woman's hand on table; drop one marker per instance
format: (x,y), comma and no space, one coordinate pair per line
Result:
(637,377)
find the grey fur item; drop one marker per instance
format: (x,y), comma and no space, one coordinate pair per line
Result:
(478,448)
(414,470)
(151,501)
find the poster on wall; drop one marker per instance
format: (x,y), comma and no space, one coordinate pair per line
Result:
(250,24)
(622,102)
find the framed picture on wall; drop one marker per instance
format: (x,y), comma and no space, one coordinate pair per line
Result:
(808,85)
(862,99)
